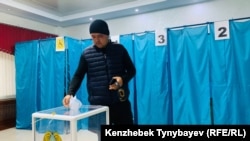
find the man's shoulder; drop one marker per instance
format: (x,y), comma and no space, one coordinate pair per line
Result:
(89,48)
(117,45)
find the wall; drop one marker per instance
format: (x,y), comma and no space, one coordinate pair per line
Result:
(29,24)
(212,11)
(215,10)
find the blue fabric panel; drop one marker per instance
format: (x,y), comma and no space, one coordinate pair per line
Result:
(189,69)
(26,64)
(241,51)
(74,51)
(51,76)
(230,83)
(127,42)
(153,99)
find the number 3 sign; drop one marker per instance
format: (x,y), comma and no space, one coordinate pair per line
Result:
(221,30)
(160,37)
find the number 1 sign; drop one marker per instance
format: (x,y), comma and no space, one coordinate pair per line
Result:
(221,30)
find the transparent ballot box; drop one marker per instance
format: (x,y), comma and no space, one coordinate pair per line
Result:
(63,124)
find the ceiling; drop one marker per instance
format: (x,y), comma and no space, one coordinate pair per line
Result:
(65,13)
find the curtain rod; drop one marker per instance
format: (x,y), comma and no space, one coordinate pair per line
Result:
(189,25)
(205,23)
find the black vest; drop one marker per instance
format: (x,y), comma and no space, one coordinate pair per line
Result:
(103,64)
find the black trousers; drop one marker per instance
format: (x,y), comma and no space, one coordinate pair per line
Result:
(119,114)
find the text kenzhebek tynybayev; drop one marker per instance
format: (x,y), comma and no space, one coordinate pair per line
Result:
(177,133)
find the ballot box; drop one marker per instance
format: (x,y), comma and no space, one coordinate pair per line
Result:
(64,124)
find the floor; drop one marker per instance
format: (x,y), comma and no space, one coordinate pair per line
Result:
(13,134)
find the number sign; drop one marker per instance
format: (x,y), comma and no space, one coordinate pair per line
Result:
(160,37)
(221,30)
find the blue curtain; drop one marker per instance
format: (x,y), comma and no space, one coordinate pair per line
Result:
(241,49)
(75,49)
(26,62)
(230,78)
(127,42)
(189,70)
(152,88)
(41,76)
(55,75)
(51,74)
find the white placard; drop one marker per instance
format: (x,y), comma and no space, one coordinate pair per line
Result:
(221,30)
(160,37)
(115,38)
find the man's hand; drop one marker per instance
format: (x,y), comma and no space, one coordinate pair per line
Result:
(117,84)
(66,101)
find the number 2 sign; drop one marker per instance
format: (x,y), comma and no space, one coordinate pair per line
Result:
(221,30)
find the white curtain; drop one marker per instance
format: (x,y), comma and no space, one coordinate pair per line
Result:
(7,75)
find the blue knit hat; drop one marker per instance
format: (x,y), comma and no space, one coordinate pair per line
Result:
(99,26)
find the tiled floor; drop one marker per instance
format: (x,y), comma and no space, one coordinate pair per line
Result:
(13,134)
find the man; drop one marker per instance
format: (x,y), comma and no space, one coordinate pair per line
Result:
(109,69)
